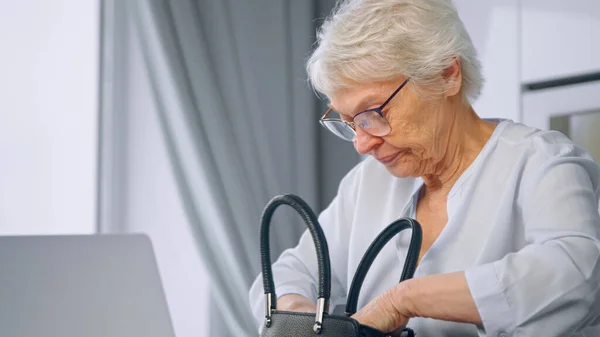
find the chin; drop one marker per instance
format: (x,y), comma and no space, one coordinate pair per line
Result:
(401,170)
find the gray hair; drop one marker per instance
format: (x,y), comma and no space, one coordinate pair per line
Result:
(378,40)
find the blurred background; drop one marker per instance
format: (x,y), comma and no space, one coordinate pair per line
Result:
(181,119)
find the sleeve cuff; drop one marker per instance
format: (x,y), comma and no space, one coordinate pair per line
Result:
(491,302)
(291,289)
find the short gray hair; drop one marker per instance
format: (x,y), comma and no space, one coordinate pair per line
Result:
(378,40)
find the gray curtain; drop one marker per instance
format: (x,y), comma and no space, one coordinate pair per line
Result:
(240,126)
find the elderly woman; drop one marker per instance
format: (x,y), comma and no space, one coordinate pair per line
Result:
(509,213)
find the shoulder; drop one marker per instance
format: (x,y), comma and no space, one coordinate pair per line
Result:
(540,146)
(523,139)
(537,152)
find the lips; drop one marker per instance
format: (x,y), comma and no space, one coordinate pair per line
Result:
(389,159)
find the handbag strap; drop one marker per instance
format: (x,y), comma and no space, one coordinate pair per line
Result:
(376,246)
(311,221)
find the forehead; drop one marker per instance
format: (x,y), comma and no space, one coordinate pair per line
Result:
(359,96)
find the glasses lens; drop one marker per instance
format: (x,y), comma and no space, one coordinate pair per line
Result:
(373,123)
(339,129)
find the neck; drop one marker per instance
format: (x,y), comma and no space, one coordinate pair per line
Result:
(467,136)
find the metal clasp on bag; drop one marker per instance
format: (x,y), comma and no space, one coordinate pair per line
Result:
(268,310)
(322,307)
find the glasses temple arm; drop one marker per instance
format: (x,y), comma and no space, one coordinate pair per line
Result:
(394,94)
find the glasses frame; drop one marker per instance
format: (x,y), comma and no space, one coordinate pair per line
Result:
(352,124)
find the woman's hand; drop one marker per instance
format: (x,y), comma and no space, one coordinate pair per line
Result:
(385,313)
(443,296)
(294,302)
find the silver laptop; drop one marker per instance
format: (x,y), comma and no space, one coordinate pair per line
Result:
(81,286)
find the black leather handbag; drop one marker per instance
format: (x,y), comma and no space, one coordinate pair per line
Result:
(280,323)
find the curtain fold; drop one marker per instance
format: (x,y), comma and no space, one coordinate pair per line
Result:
(232,143)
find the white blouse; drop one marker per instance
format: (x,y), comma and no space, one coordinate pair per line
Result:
(523,224)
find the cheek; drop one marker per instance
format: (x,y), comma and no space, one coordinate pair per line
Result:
(418,137)
(410,124)
(419,130)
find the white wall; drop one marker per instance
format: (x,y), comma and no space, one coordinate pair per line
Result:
(494,29)
(48,115)
(559,38)
(521,41)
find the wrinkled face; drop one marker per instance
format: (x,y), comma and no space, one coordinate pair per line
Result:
(419,139)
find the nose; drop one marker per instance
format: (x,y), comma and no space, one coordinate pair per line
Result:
(364,142)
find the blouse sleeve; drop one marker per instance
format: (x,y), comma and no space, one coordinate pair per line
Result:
(551,286)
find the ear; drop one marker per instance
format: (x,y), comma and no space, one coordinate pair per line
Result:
(452,77)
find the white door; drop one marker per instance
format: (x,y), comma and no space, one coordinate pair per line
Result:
(559,38)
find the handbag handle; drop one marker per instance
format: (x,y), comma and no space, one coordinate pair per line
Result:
(376,246)
(311,221)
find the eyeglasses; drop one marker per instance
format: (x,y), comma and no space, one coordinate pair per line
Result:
(371,121)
